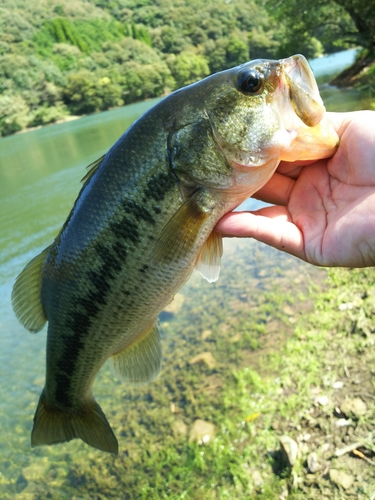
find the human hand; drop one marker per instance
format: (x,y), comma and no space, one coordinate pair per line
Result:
(324,211)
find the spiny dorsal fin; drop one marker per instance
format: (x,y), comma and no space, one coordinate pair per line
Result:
(26,295)
(140,362)
(92,168)
(181,231)
(52,426)
(208,261)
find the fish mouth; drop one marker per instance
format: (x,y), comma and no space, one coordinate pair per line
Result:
(303,90)
(303,113)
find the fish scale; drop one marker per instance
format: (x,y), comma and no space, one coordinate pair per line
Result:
(145,218)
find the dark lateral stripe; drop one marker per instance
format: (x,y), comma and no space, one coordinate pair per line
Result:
(138,211)
(144,268)
(159,185)
(125,229)
(82,317)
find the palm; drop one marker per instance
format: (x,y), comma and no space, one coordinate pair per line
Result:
(324,212)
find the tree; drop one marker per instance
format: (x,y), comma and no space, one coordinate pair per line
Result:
(237,51)
(362,13)
(333,22)
(188,67)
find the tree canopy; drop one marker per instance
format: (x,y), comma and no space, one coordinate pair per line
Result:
(76,57)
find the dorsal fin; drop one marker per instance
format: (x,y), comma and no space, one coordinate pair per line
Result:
(92,168)
(26,294)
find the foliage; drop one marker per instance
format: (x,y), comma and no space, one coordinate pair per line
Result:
(84,95)
(188,67)
(337,24)
(59,55)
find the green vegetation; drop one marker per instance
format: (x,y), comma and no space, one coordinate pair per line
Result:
(278,364)
(79,57)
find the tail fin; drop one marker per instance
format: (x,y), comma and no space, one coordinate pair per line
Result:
(52,426)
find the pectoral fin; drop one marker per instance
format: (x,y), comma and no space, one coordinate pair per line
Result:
(208,261)
(26,295)
(139,363)
(180,233)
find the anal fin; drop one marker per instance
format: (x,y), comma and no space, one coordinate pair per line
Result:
(26,294)
(140,362)
(209,258)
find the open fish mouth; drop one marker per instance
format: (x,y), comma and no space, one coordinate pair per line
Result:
(303,90)
(303,113)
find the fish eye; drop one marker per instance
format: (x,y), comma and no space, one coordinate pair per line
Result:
(250,82)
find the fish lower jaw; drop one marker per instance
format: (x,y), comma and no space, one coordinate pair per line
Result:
(247,180)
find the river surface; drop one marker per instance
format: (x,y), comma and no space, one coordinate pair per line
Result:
(39,180)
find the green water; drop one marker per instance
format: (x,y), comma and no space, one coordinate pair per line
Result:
(39,180)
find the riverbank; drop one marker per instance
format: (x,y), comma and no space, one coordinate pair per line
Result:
(248,364)
(360,73)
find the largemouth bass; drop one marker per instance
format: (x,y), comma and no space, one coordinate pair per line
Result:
(145,218)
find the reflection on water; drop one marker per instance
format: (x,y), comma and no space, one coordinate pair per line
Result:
(31,156)
(254,298)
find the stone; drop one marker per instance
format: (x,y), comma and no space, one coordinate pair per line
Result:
(288,310)
(338,384)
(36,470)
(179,427)
(256,476)
(176,304)
(340,478)
(312,463)
(204,357)
(206,334)
(289,449)
(355,407)
(322,400)
(343,422)
(236,338)
(202,431)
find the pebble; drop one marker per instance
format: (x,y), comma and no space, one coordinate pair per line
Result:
(202,431)
(345,306)
(176,304)
(206,334)
(355,407)
(179,427)
(204,357)
(36,471)
(338,384)
(236,338)
(343,422)
(312,463)
(322,400)
(256,476)
(289,449)
(288,310)
(340,478)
